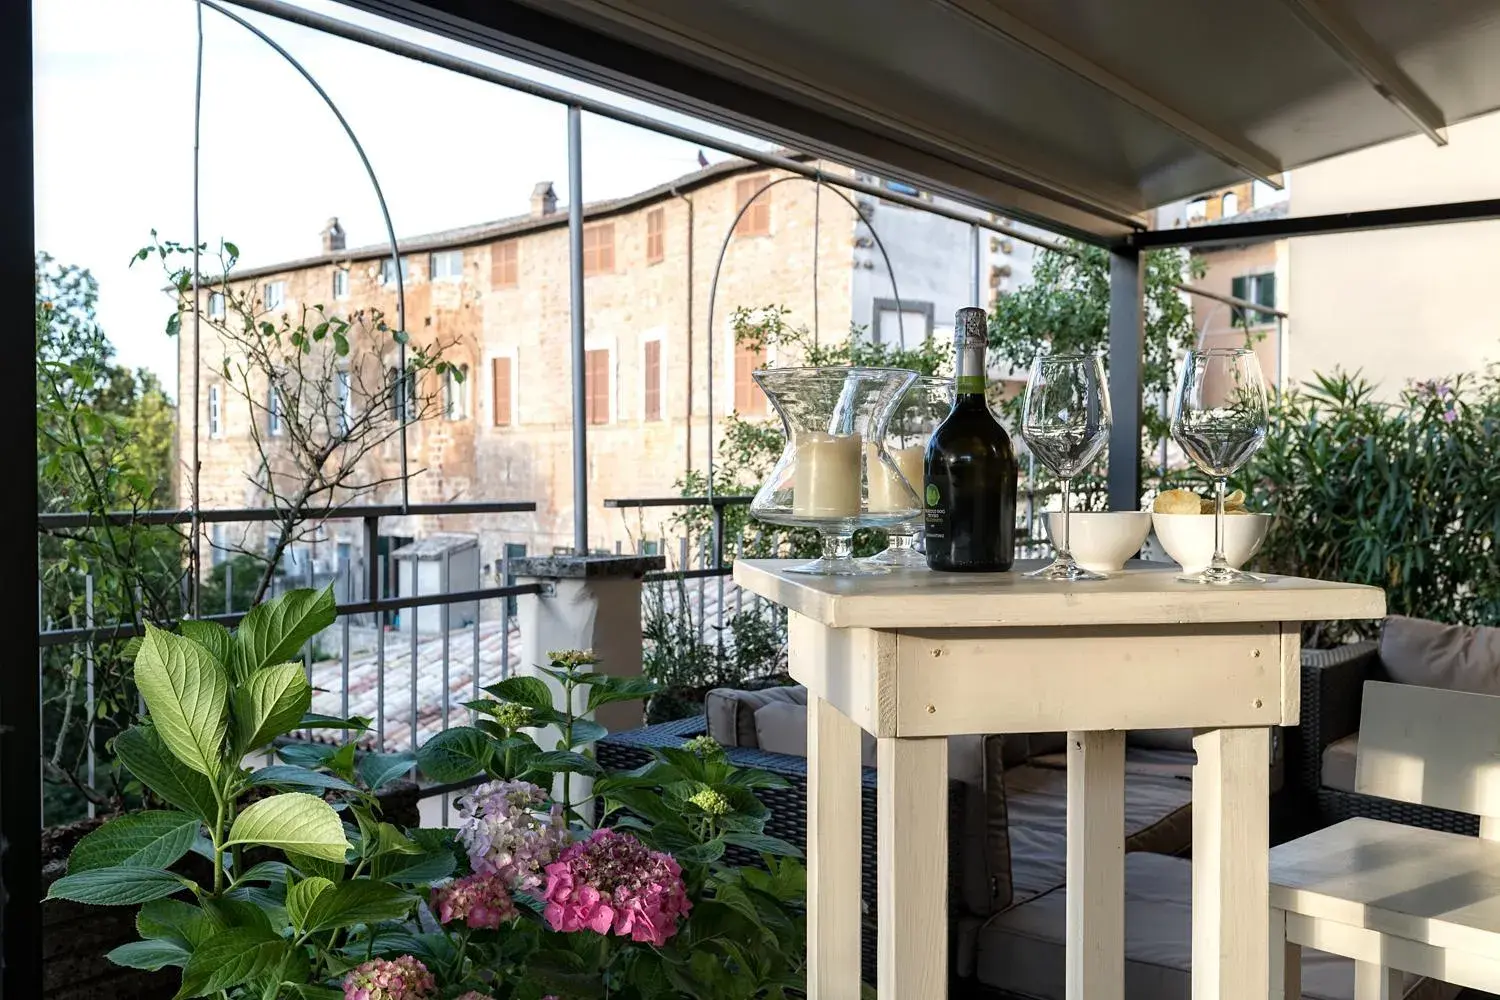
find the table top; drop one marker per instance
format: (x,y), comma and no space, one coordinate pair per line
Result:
(1425,885)
(915,599)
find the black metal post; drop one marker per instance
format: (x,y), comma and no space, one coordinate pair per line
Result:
(20,690)
(575,308)
(1127,344)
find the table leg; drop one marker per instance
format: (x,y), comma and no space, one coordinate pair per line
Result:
(1286,961)
(1375,982)
(833,850)
(1096,866)
(1231,843)
(913,887)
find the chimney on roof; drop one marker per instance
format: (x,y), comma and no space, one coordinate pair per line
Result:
(333,236)
(543,199)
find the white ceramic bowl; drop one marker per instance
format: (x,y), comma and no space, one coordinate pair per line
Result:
(1189,538)
(1103,540)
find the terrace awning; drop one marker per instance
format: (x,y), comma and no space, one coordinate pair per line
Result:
(1076,114)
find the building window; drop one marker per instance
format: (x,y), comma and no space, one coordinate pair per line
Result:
(447,265)
(656,240)
(215,413)
(388,271)
(215,305)
(748,397)
(343,398)
(402,403)
(275,419)
(596,385)
(503,269)
(1197,210)
(273,294)
(1257,288)
(455,392)
(341,282)
(909,323)
(501,394)
(757,220)
(217,548)
(599,249)
(651,367)
(1230,205)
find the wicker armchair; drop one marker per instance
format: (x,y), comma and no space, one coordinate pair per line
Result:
(1333,685)
(623,751)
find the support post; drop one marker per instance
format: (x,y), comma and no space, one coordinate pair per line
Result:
(588,602)
(575,311)
(1127,344)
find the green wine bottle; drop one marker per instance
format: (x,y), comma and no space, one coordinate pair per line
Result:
(970,470)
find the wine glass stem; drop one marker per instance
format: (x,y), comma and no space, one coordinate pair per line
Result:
(1065,550)
(838,546)
(1219,559)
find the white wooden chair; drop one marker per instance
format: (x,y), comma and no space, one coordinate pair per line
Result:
(1397,898)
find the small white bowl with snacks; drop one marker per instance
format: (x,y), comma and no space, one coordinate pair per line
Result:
(1184,525)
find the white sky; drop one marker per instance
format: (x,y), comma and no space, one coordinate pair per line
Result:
(114,129)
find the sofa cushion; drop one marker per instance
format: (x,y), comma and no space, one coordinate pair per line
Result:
(1022,950)
(1158,818)
(1339,759)
(1139,760)
(1455,657)
(730,713)
(781,727)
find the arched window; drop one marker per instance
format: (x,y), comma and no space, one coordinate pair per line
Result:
(456,392)
(1231,205)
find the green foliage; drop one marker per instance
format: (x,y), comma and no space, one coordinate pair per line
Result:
(1404,495)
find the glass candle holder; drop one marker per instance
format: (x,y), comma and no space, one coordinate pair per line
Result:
(836,422)
(925,405)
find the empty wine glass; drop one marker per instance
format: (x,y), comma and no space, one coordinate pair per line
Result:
(1065,422)
(1220,422)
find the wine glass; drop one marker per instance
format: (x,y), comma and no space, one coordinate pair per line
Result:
(1220,422)
(1065,421)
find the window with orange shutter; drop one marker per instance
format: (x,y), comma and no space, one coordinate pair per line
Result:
(656,224)
(504,272)
(748,397)
(756,221)
(653,380)
(599,249)
(501,374)
(596,386)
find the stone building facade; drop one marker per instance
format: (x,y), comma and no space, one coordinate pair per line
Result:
(657,363)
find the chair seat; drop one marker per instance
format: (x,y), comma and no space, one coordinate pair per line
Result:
(1440,889)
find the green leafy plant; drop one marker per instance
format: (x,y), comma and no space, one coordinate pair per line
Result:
(255,882)
(1403,495)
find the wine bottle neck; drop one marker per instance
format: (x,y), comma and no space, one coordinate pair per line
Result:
(968,371)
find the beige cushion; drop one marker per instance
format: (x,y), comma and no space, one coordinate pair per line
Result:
(1138,760)
(1455,657)
(1339,758)
(1022,950)
(730,713)
(781,727)
(1158,818)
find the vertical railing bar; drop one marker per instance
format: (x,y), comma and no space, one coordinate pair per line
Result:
(739,592)
(702,588)
(373,581)
(504,639)
(718,513)
(416,591)
(228,586)
(307,647)
(443,622)
(140,618)
(88,682)
(474,670)
(346,624)
(41,674)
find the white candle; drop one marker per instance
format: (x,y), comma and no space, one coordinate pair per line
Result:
(887,492)
(826,483)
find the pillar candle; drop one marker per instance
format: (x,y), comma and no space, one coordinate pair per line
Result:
(826,482)
(887,492)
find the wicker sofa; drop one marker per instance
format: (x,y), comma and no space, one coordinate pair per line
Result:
(1321,752)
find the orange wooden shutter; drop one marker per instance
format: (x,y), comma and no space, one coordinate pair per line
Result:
(655,238)
(503,272)
(596,386)
(653,380)
(757,221)
(500,371)
(748,397)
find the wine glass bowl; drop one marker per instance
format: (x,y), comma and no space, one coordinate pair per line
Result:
(835,474)
(1065,422)
(921,410)
(1220,421)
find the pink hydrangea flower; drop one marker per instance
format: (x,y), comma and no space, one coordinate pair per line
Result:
(402,978)
(505,836)
(613,882)
(481,901)
(476,995)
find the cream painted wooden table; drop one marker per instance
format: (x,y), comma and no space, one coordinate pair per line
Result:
(915,657)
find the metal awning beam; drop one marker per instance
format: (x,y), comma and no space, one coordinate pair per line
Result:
(1342,34)
(990,17)
(1244,233)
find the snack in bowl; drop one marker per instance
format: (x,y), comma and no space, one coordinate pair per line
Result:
(1177,502)
(1187,535)
(1234,503)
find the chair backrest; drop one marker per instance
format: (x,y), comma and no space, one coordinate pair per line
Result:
(1431,747)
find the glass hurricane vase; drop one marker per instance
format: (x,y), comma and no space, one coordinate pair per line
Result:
(925,405)
(836,422)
